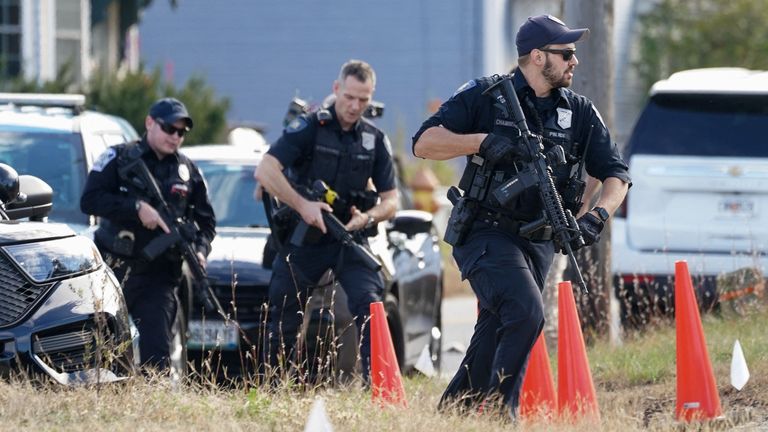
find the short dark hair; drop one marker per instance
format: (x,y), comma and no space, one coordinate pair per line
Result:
(359,69)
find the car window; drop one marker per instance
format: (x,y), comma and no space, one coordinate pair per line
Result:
(231,187)
(58,159)
(702,125)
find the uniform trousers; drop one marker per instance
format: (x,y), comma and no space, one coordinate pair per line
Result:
(296,270)
(507,274)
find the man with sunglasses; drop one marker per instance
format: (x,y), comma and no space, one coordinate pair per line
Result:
(507,265)
(127,223)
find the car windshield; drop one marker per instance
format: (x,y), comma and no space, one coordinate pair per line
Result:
(231,187)
(702,125)
(55,157)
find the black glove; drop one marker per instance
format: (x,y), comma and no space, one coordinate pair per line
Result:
(498,149)
(590,227)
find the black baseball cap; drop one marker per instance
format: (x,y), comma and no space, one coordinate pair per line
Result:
(542,30)
(170,110)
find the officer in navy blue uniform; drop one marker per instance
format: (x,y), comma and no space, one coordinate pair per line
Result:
(128,223)
(506,269)
(346,151)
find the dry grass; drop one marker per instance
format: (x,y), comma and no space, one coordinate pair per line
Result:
(635,388)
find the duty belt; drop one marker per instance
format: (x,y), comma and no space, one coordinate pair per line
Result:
(507,224)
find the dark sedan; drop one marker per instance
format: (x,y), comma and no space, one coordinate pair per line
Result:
(406,246)
(62,314)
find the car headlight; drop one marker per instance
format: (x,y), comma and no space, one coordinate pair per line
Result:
(44,261)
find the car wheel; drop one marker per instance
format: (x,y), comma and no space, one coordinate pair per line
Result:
(395,328)
(178,356)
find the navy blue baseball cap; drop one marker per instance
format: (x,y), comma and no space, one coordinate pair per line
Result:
(169,111)
(542,30)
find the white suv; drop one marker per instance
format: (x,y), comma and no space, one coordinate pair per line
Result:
(698,157)
(53,137)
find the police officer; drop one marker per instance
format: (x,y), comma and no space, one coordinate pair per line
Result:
(345,150)
(128,222)
(505,268)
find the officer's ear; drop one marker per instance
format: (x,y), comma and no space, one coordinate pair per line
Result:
(148,122)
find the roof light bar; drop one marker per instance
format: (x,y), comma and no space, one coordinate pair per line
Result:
(74,101)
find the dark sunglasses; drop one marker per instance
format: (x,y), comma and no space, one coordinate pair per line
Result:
(170,129)
(567,53)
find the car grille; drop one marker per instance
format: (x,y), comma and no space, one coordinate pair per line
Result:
(17,295)
(73,347)
(249,301)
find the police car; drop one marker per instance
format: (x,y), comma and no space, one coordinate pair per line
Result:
(698,160)
(62,313)
(53,137)
(406,246)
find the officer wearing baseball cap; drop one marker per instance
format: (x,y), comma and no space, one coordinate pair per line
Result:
(506,265)
(127,223)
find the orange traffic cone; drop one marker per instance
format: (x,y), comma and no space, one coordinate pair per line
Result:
(575,390)
(537,397)
(697,397)
(387,385)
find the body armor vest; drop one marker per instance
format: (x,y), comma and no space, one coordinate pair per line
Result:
(174,181)
(527,205)
(345,168)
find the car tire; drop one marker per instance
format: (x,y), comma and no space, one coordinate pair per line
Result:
(395,325)
(178,355)
(178,350)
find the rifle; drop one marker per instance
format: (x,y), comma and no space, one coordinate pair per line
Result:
(334,227)
(182,233)
(537,173)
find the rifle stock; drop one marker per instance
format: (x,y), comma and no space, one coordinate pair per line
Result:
(537,173)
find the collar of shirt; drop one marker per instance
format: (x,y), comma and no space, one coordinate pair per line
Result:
(356,129)
(521,85)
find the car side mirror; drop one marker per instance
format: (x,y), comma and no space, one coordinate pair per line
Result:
(34,199)
(411,222)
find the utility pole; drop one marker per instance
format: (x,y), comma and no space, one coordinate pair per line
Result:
(594,79)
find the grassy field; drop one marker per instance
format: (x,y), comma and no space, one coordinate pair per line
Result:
(635,387)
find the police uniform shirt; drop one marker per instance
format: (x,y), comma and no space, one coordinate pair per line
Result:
(468,111)
(566,119)
(296,146)
(181,182)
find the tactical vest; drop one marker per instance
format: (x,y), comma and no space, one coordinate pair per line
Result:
(175,183)
(345,168)
(527,205)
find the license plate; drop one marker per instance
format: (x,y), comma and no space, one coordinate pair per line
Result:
(736,207)
(212,334)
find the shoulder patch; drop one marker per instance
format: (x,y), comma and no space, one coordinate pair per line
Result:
(296,125)
(466,86)
(388,145)
(599,117)
(105,158)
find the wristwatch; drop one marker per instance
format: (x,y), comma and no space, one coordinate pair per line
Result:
(138,205)
(602,213)
(371,221)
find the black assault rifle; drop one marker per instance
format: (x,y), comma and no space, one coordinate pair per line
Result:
(304,233)
(182,233)
(537,173)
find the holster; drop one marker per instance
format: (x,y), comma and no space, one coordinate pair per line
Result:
(462,216)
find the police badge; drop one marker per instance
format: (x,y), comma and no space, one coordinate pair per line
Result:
(183,172)
(564,118)
(369,141)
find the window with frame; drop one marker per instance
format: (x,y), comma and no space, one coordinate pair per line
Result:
(10,38)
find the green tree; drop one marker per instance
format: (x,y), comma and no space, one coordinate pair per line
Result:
(129,95)
(683,34)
